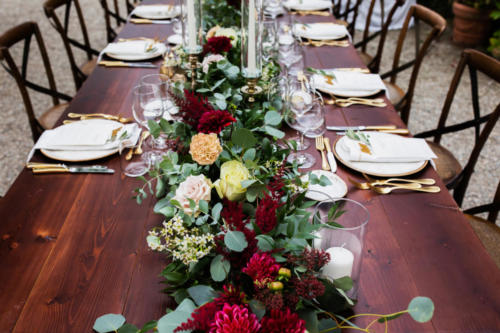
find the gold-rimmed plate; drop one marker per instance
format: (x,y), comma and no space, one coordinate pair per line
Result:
(377,169)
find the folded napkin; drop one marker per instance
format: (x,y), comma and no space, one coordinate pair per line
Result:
(307,4)
(88,135)
(348,81)
(320,31)
(129,48)
(387,148)
(157,11)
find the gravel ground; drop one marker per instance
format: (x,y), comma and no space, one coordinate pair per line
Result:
(435,77)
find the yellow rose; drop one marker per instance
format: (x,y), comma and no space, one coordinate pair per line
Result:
(205,148)
(232,173)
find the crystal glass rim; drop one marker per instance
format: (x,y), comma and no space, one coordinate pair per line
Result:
(316,208)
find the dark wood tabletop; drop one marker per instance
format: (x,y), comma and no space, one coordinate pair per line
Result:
(73,246)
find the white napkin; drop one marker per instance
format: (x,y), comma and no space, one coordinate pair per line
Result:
(157,11)
(128,48)
(320,31)
(348,81)
(85,135)
(307,4)
(386,148)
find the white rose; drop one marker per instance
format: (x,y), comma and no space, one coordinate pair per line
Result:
(195,188)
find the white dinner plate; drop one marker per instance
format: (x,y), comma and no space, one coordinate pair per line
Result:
(80,155)
(307,5)
(333,35)
(337,189)
(377,169)
(346,93)
(160,50)
(157,12)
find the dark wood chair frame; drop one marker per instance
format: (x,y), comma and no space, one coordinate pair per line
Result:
(438,23)
(25,31)
(110,14)
(50,7)
(374,65)
(351,7)
(475,61)
(492,208)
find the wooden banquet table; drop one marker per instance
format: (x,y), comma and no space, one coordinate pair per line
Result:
(73,247)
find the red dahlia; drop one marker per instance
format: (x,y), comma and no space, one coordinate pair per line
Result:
(214,121)
(282,322)
(262,268)
(217,45)
(235,319)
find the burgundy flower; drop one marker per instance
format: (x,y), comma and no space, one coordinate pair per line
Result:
(235,319)
(217,45)
(308,287)
(230,295)
(265,214)
(262,268)
(201,319)
(192,107)
(214,121)
(282,322)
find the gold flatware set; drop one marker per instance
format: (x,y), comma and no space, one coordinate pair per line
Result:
(346,102)
(310,12)
(327,162)
(386,186)
(319,43)
(83,116)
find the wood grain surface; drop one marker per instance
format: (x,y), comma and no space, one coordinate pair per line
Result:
(72,247)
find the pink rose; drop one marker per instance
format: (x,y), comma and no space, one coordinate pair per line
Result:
(195,188)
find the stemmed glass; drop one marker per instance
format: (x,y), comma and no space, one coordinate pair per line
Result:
(290,54)
(148,105)
(273,8)
(299,99)
(269,39)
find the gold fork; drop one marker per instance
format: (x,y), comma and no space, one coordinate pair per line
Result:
(371,185)
(423,181)
(387,190)
(320,145)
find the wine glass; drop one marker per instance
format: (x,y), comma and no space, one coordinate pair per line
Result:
(313,121)
(273,8)
(269,39)
(163,82)
(290,54)
(148,105)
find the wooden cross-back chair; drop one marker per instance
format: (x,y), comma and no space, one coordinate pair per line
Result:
(399,98)
(373,62)
(347,15)
(25,32)
(447,166)
(80,73)
(113,14)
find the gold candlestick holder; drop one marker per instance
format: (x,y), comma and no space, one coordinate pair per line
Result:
(251,89)
(193,65)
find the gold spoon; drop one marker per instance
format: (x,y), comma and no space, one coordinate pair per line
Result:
(387,190)
(371,185)
(423,181)
(138,149)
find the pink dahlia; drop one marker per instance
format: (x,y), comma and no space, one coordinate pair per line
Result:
(235,319)
(282,322)
(262,268)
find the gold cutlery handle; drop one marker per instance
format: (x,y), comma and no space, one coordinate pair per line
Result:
(50,170)
(396,131)
(381,127)
(129,154)
(38,165)
(138,149)
(423,181)
(113,63)
(141,21)
(65,122)
(324,162)
(427,189)
(354,69)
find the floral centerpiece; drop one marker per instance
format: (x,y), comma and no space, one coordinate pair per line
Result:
(237,224)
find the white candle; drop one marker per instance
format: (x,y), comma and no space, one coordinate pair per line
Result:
(191,22)
(341,262)
(252,67)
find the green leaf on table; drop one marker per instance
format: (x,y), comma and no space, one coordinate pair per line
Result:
(274,132)
(154,128)
(324,181)
(128,328)
(109,323)
(219,268)
(244,138)
(258,308)
(148,326)
(169,322)
(216,211)
(272,118)
(387,318)
(247,183)
(160,187)
(421,309)
(166,127)
(249,154)
(265,242)
(345,283)
(235,241)
(202,294)
(164,207)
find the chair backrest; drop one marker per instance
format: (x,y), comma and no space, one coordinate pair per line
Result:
(110,14)
(438,24)
(343,10)
(475,61)
(492,208)
(24,32)
(62,26)
(374,65)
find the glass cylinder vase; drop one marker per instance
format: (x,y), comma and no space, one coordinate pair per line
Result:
(251,38)
(342,239)
(192,26)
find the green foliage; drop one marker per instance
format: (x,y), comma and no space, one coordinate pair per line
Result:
(219,12)
(108,323)
(421,309)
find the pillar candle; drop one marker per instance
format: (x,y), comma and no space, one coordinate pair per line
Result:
(252,68)
(191,22)
(341,262)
